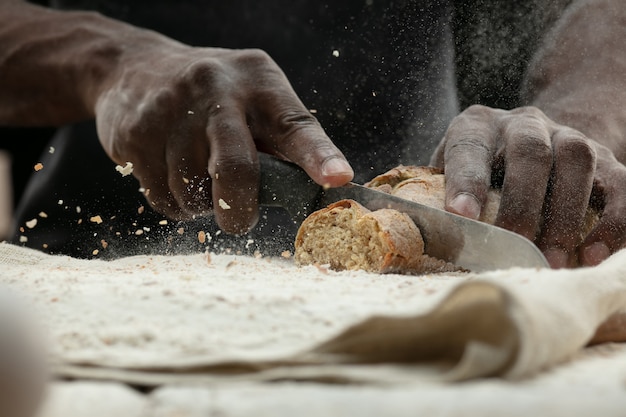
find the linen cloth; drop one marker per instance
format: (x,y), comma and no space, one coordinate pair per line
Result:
(226,320)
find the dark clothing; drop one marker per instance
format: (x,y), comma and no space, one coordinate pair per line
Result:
(385,99)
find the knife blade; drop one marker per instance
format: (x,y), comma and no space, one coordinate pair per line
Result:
(468,243)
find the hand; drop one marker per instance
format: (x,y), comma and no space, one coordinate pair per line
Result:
(191,120)
(549,175)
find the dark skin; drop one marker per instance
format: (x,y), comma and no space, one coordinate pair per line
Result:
(563,150)
(190,119)
(193,119)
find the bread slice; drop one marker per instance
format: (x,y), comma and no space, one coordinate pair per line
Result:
(346,235)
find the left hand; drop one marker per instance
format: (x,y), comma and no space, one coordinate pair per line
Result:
(549,174)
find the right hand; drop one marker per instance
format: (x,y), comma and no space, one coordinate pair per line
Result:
(191,121)
(550,175)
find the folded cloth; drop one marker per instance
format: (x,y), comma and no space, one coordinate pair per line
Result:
(207,317)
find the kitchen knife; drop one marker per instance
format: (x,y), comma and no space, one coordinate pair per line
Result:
(471,244)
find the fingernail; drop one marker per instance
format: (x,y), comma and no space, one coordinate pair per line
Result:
(335,167)
(557,258)
(595,253)
(466,205)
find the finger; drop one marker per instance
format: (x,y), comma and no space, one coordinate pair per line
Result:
(572,180)
(234,169)
(284,127)
(527,167)
(150,168)
(609,235)
(470,145)
(189,182)
(154,182)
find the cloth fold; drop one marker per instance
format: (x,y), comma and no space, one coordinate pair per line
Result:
(219,318)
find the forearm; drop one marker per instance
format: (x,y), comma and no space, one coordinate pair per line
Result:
(53,65)
(579,77)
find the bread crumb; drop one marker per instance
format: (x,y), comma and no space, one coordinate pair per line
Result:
(208,258)
(95,252)
(286,254)
(31,223)
(223,204)
(180,231)
(23,239)
(125,170)
(249,242)
(257,254)
(139,232)
(336,53)
(51,149)
(201,236)
(60,202)
(38,166)
(104,244)
(140,210)
(185,180)
(78,209)
(45,246)
(96,219)
(43,214)
(22,229)
(189,112)
(163,222)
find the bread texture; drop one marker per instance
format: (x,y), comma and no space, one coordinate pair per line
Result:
(346,235)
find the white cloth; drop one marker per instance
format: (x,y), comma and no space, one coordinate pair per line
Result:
(228,319)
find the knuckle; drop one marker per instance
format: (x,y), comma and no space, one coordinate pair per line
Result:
(255,58)
(289,124)
(235,167)
(227,129)
(531,146)
(466,139)
(299,118)
(202,73)
(135,127)
(530,112)
(577,149)
(477,110)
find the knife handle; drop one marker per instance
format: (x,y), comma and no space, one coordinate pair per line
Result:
(286,185)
